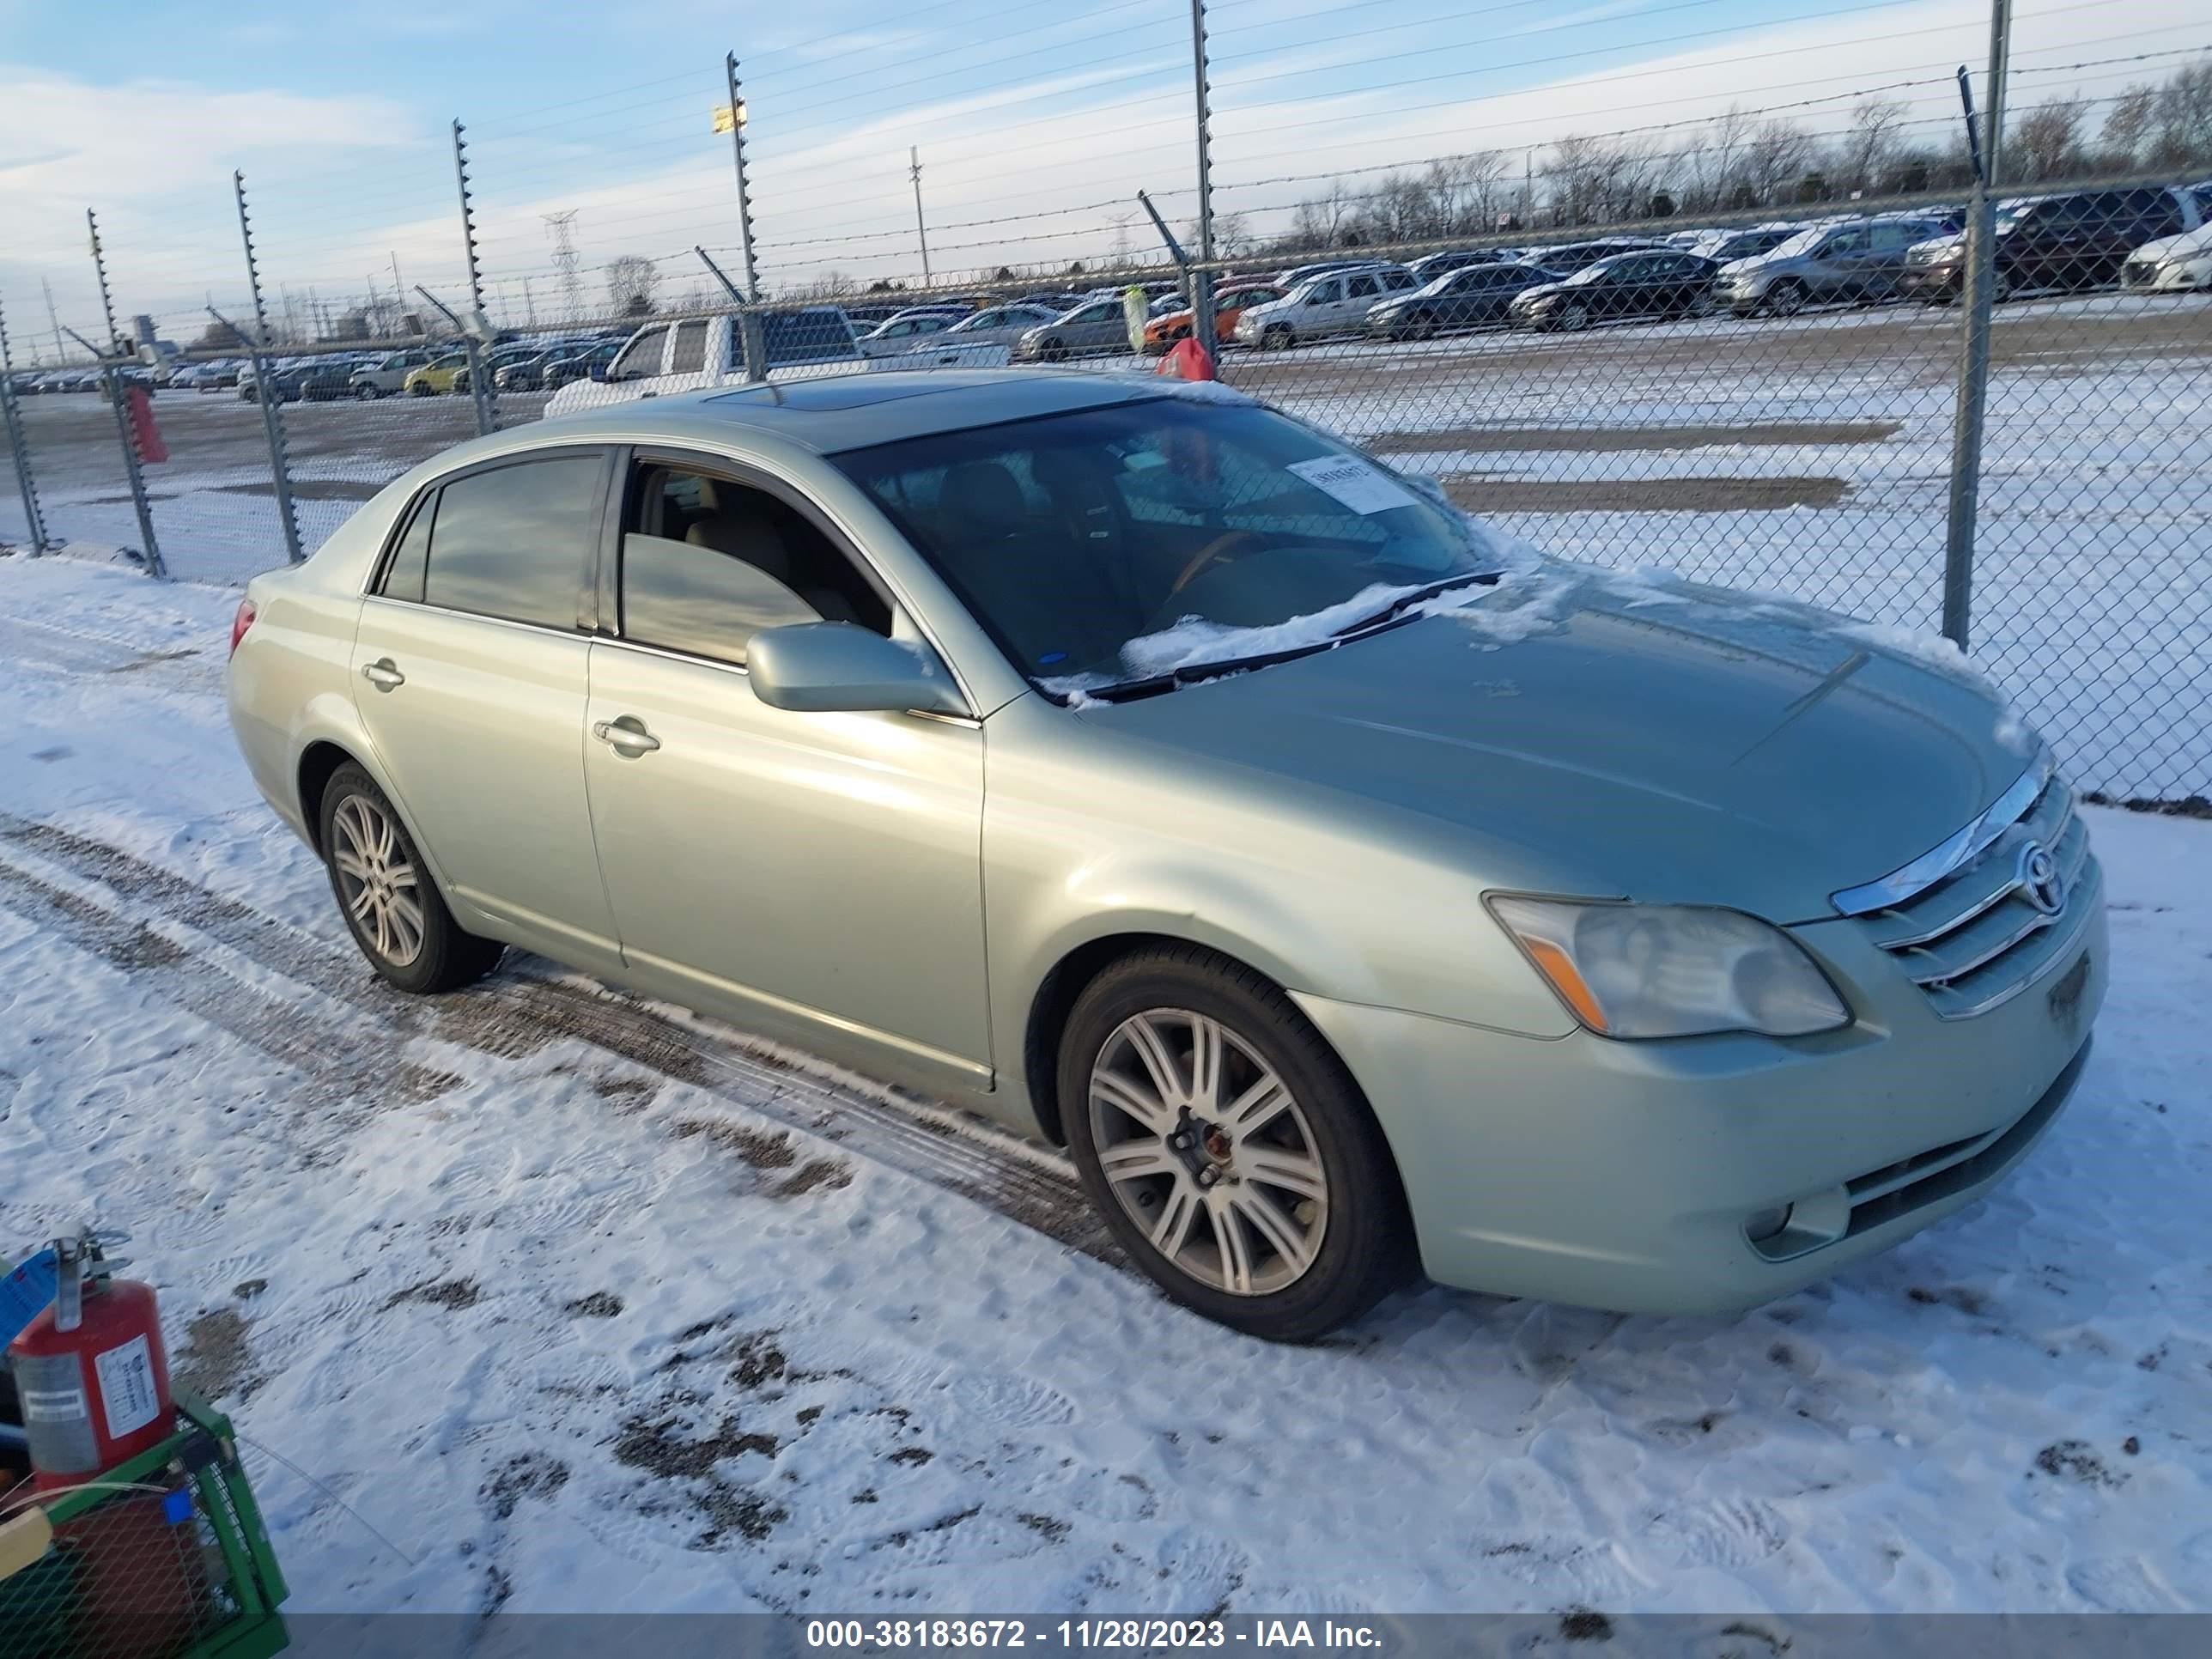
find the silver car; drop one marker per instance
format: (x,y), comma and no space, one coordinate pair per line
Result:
(1856,260)
(1095,325)
(1163,778)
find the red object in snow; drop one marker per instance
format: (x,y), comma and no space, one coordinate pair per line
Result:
(97,1395)
(140,403)
(1187,360)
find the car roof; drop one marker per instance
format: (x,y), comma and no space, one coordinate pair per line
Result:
(830,413)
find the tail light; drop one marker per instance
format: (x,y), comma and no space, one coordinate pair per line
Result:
(240,623)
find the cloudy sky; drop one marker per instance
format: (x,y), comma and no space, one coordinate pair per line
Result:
(1037,122)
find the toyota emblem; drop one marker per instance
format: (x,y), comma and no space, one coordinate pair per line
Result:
(2040,881)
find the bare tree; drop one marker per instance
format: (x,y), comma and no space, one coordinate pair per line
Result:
(1576,171)
(2127,124)
(1708,159)
(1319,220)
(1776,155)
(2046,143)
(631,279)
(2182,130)
(1868,146)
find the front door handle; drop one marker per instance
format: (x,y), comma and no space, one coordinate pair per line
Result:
(626,735)
(384,674)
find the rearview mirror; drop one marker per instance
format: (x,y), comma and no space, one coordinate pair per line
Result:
(837,667)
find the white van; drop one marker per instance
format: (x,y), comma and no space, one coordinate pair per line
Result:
(687,353)
(1336,302)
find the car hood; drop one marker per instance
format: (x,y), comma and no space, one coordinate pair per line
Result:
(1529,296)
(2187,245)
(1574,730)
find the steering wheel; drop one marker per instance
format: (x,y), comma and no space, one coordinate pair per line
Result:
(1209,556)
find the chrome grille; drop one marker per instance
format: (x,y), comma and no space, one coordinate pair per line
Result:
(1977,936)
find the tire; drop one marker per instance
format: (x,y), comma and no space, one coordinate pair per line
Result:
(1575,317)
(1051,349)
(420,390)
(2001,286)
(430,952)
(1786,298)
(364,393)
(1277,336)
(1349,1234)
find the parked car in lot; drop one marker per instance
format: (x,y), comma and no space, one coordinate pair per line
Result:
(590,363)
(216,375)
(1648,283)
(1094,326)
(1736,945)
(2173,265)
(1429,266)
(1231,302)
(1856,260)
(1728,245)
(436,377)
(1336,302)
(1571,257)
(493,360)
(690,353)
(387,376)
(985,336)
(906,329)
(1472,296)
(1294,276)
(527,373)
(2070,242)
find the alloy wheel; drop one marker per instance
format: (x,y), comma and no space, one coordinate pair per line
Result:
(1576,316)
(1206,1149)
(378,882)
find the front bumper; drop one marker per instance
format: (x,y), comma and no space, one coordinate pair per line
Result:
(2170,276)
(1930,281)
(1621,1174)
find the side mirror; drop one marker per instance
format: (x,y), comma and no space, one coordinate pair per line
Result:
(835,667)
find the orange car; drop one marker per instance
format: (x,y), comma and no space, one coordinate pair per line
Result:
(1163,333)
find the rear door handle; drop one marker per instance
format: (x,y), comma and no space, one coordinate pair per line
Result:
(384,674)
(626,735)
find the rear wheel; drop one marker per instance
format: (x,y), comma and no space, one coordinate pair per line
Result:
(391,907)
(1229,1150)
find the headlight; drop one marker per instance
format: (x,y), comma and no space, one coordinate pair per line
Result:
(1663,971)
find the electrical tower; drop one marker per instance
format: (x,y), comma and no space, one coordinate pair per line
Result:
(564,261)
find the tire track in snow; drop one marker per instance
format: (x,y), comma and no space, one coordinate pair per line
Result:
(281,990)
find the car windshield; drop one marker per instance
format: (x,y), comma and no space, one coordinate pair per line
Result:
(1106,545)
(2009,214)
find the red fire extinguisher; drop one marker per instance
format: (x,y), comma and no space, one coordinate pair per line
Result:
(93,1384)
(90,1371)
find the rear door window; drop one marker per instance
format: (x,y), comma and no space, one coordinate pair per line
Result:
(688,355)
(640,358)
(515,541)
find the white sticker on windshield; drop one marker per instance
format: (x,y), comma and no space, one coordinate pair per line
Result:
(1355,484)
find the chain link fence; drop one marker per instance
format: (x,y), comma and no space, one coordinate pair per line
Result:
(1766,394)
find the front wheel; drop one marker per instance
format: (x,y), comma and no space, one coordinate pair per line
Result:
(391,907)
(1276,337)
(1786,299)
(1228,1148)
(364,393)
(1575,317)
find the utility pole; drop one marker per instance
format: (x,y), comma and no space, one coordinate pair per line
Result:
(529,306)
(53,321)
(1201,281)
(1981,280)
(745,189)
(920,230)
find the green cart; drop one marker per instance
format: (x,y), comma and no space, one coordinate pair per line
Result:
(165,1558)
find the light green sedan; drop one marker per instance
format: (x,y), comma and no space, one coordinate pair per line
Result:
(1349,891)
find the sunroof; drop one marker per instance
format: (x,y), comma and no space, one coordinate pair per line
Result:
(834,391)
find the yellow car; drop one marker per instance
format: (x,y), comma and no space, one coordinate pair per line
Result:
(434,377)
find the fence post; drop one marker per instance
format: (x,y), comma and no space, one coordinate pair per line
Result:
(272,413)
(480,391)
(1201,281)
(745,190)
(1979,298)
(125,434)
(26,485)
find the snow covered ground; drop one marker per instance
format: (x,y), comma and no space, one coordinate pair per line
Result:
(584,1303)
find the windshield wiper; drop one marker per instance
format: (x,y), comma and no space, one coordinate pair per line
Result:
(1404,602)
(1153,685)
